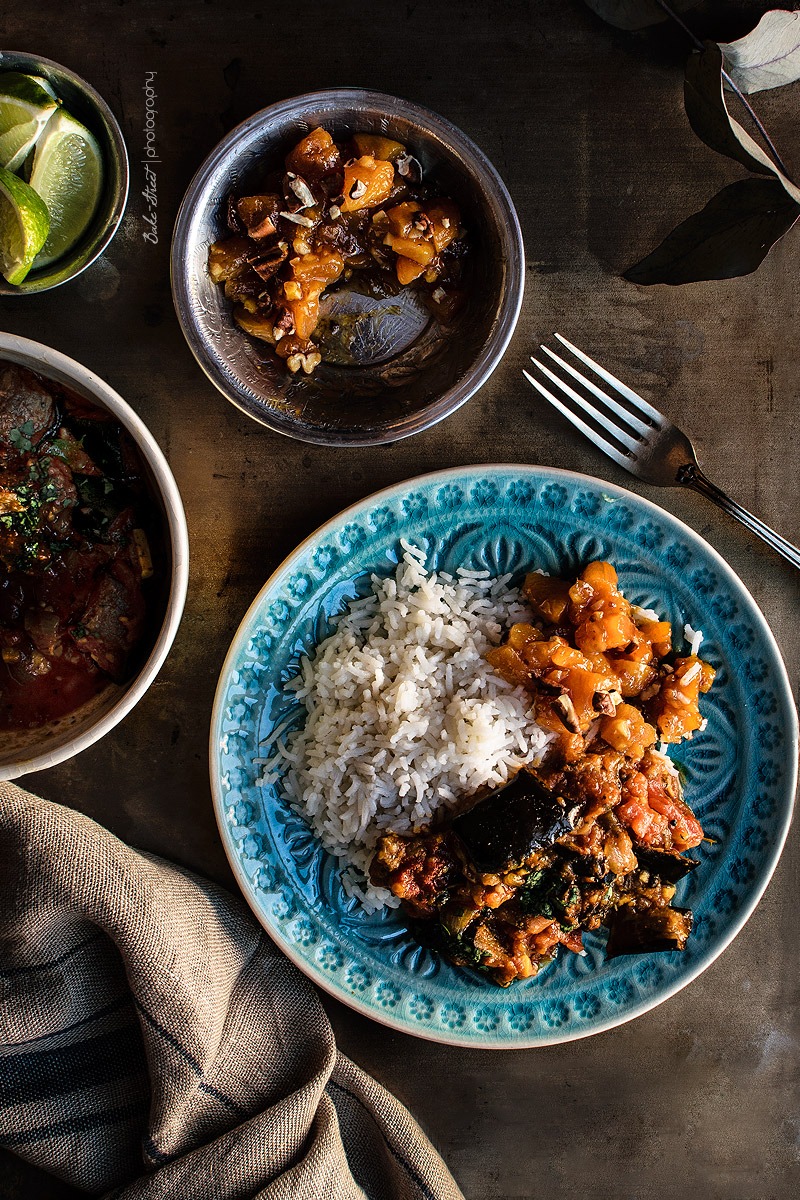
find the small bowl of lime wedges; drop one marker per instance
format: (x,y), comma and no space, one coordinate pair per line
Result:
(63,174)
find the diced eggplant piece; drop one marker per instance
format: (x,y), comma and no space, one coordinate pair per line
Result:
(504,829)
(459,947)
(104,445)
(456,919)
(668,865)
(651,932)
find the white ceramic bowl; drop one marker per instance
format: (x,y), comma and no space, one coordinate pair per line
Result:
(36,749)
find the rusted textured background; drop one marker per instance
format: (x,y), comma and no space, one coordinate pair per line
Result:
(586,125)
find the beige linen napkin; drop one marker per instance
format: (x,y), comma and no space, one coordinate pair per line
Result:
(154,1043)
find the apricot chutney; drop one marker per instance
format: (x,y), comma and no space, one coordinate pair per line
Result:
(337,212)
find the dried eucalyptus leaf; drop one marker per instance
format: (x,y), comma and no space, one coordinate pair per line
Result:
(769,56)
(635,14)
(730,237)
(711,121)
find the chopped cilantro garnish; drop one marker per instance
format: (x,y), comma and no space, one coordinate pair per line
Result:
(21,438)
(35,554)
(548,893)
(458,946)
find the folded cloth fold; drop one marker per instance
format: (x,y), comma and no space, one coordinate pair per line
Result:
(154,1043)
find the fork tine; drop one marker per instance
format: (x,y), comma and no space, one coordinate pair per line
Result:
(614,452)
(609,401)
(634,397)
(633,443)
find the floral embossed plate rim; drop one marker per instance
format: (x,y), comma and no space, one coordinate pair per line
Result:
(741,771)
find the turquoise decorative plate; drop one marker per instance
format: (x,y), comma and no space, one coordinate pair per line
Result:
(740,772)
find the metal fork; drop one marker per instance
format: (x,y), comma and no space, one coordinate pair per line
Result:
(645,442)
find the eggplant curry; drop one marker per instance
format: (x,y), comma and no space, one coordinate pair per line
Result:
(597,834)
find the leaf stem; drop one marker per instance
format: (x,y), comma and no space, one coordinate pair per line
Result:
(671,13)
(698,43)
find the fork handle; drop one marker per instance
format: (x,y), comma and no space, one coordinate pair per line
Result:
(693,477)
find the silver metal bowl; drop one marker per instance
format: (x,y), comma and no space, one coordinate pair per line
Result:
(84,103)
(25,750)
(397,394)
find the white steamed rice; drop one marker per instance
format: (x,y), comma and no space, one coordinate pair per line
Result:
(404,714)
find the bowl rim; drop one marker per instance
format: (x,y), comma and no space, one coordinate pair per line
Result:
(510,302)
(12,60)
(43,358)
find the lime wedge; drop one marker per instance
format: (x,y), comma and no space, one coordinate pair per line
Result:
(26,105)
(68,175)
(23,226)
(45,85)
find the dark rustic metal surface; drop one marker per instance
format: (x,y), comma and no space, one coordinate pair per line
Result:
(585,123)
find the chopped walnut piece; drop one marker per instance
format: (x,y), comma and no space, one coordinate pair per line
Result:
(284,324)
(298,219)
(298,186)
(409,168)
(566,710)
(307,361)
(268,263)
